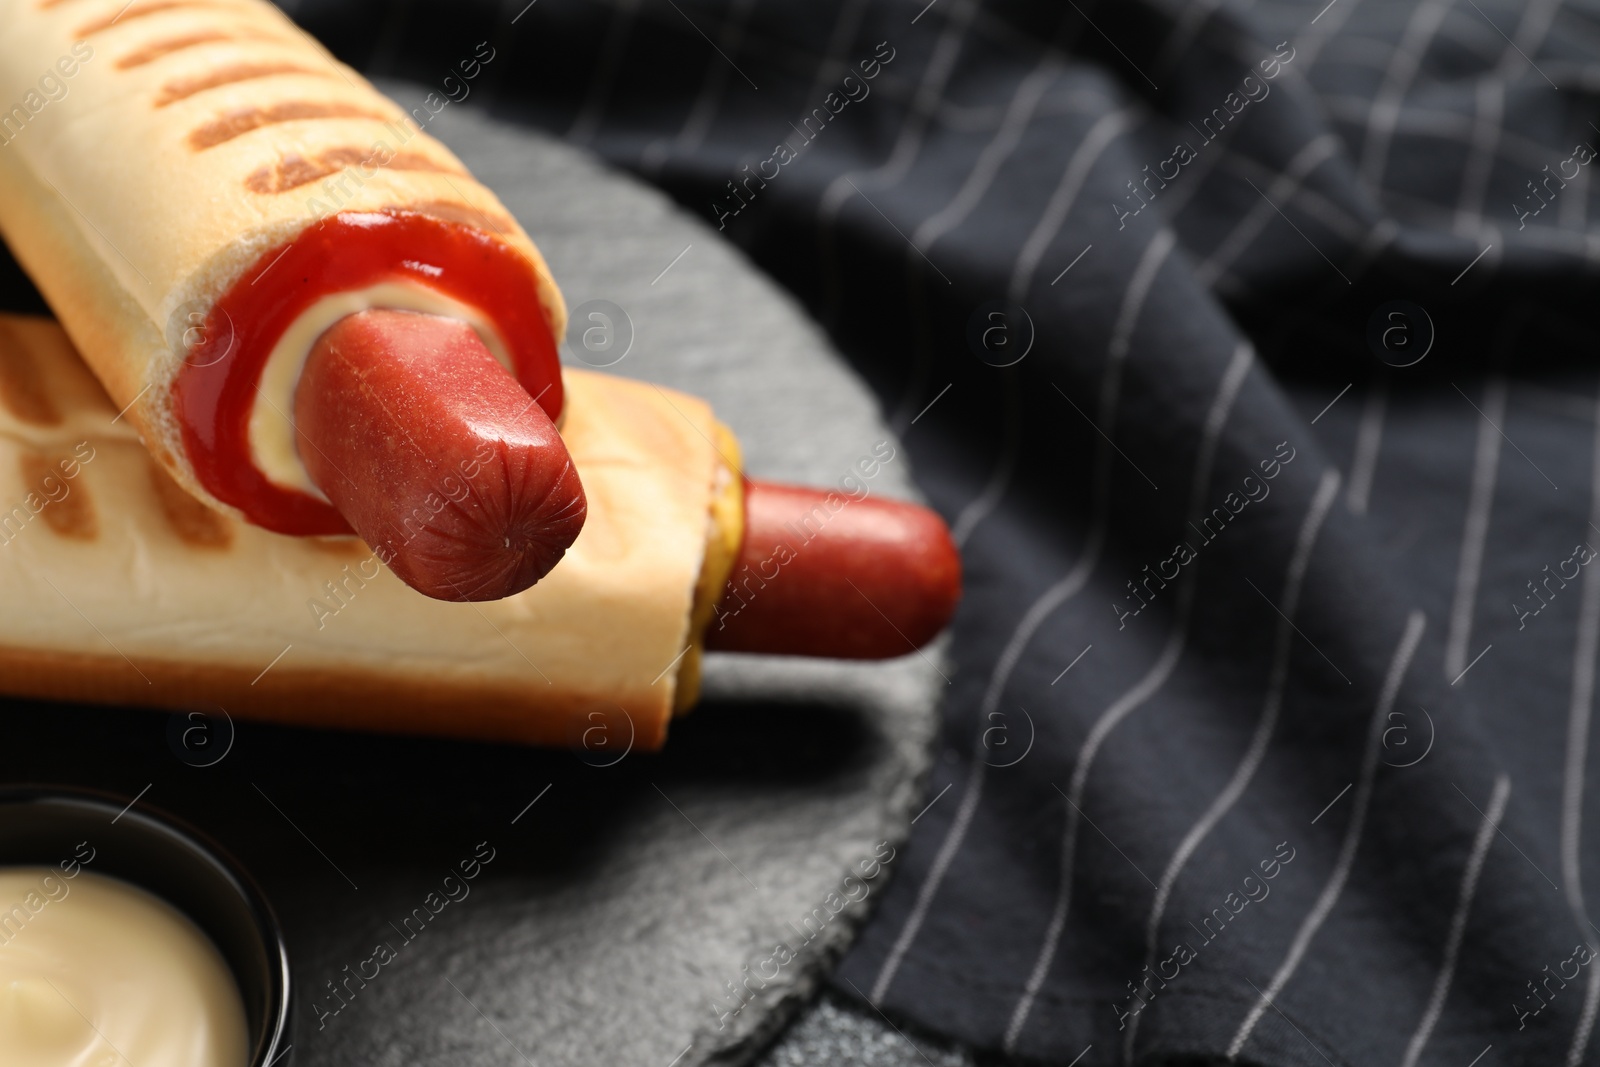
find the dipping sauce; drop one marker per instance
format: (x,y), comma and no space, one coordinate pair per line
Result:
(95,972)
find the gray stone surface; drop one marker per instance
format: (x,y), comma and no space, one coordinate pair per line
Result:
(624,958)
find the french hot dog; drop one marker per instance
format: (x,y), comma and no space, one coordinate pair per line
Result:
(139,595)
(210,194)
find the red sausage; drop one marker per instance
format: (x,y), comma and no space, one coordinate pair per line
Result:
(820,574)
(435,455)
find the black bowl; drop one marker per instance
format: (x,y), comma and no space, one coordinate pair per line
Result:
(42,825)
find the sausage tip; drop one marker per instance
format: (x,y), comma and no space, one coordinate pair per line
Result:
(435,456)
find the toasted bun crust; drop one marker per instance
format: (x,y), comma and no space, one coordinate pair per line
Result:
(724,537)
(137,594)
(190,138)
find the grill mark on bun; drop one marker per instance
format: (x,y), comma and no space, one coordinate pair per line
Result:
(194,523)
(294,171)
(463,214)
(63,502)
(183,88)
(168,45)
(137,10)
(22,388)
(243,120)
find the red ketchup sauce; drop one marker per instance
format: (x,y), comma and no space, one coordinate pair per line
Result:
(215,391)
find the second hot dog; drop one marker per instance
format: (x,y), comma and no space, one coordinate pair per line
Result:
(871,580)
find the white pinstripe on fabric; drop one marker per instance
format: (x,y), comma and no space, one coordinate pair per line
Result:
(1060,204)
(1311,156)
(697,123)
(1480,502)
(908,142)
(1494,251)
(1585,1028)
(1324,30)
(1100,136)
(982,505)
(1488,120)
(986,118)
(1425,21)
(1156,677)
(1369,440)
(1018,115)
(1458,920)
(1352,838)
(820,67)
(1171,205)
(1475,35)
(1420,119)
(1214,153)
(833,64)
(1307,201)
(1125,705)
(1372,245)
(1579,713)
(1537,18)
(1188,21)
(1417,214)
(1370,239)
(1266,724)
(1144,274)
(1008,133)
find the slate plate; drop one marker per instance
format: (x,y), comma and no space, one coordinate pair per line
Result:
(617,907)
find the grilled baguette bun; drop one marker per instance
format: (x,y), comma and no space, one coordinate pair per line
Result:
(136,594)
(152,151)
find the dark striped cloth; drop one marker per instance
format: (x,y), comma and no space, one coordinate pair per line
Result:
(1249,350)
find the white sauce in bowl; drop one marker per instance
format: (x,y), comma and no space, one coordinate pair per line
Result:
(95,972)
